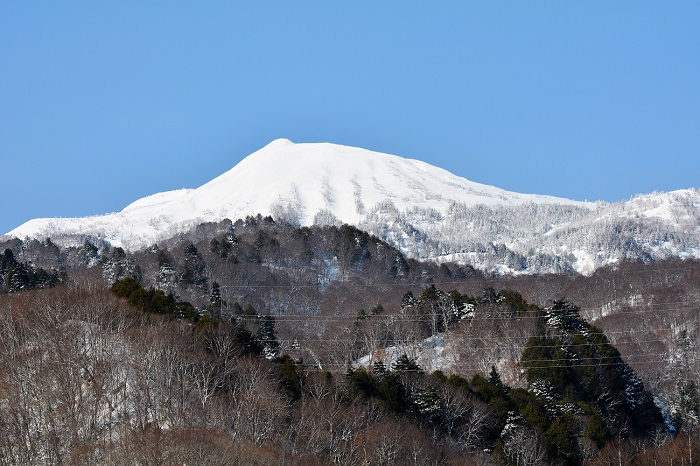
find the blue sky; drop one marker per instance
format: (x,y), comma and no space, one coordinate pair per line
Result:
(102,103)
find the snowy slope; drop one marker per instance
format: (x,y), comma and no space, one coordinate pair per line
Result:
(423,210)
(283,178)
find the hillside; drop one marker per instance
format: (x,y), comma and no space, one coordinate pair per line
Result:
(426,212)
(249,341)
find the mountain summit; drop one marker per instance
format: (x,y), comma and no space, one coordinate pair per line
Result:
(426,211)
(299,183)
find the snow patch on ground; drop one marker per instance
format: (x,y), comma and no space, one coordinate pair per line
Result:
(431,354)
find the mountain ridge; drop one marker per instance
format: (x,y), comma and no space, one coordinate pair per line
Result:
(426,211)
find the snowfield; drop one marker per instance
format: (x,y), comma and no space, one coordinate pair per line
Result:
(425,211)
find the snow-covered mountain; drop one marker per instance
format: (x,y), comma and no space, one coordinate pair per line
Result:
(539,238)
(301,183)
(426,211)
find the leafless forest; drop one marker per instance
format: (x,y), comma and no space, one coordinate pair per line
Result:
(259,343)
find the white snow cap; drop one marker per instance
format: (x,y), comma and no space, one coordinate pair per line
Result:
(290,180)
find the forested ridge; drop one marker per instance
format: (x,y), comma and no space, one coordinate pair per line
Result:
(546,238)
(256,342)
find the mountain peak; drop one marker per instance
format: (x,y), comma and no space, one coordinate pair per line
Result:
(278,142)
(427,212)
(294,182)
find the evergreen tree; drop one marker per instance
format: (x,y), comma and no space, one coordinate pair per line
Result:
(194,271)
(267,337)
(406,364)
(571,363)
(17,276)
(290,379)
(378,368)
(216,304)
(495,379)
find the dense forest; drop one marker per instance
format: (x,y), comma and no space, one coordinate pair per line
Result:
(256,342)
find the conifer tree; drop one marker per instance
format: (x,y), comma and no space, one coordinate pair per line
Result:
(267,337)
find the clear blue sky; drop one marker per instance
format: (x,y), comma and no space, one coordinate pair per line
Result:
(102,103)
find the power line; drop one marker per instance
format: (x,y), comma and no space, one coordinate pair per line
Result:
(504,315)
(475,368)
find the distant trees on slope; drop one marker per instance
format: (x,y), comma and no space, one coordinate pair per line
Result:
(529,237)
(20,276)
(268,351)
(100,377)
